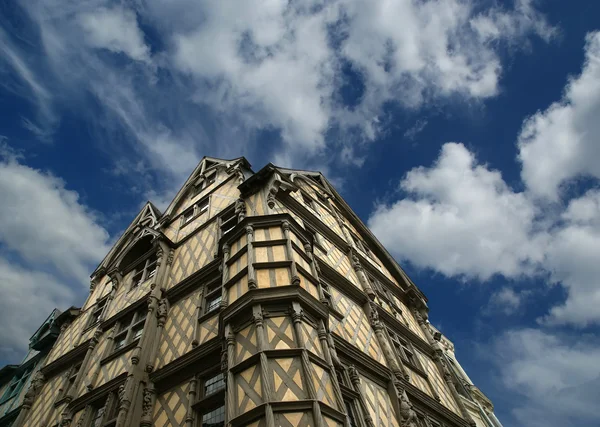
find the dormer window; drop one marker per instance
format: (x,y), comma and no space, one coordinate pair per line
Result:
(144,271)
(228,222)
(195,210)
(309,202)
(209,180)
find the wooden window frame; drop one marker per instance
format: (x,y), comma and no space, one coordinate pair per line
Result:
(228,222)
(208,402)
(17,383)
(109,407)
(309,202)
(210,410)
(71,378)
(136,319)
(144,267)
(194,211)
(403,346)
(349,396)
(210,293)
(97,311)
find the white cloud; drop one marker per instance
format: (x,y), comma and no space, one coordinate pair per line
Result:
(506,301)
(49,244)
(461,219)
(561,142)
(34,90)
(46,224)
(28,297)
(555,377)
(115,29)
(572,260)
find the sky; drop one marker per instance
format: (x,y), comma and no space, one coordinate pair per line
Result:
(463,132)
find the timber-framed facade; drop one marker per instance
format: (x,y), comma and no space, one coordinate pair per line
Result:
(255,299)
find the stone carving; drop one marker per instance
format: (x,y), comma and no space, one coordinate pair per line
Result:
(240,209)
(373,315)
(146,403)
(407,414)
(224,363)
(271,197)
(356,262)
(34,387)
(162,310)
(121,393)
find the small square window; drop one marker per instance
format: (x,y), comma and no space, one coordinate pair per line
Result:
(209,180)
(214,384)
(228,223)
(351,412)
(214,418)
(97,312)
(203,206)
(188,215)
(213,303)
(308,202)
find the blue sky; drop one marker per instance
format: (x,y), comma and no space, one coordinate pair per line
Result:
(463,132)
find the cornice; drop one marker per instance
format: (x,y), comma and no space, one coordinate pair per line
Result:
(423,400)
(66,359)
(169,373)
(396,325)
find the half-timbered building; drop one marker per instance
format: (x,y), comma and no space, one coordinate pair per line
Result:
(255,299)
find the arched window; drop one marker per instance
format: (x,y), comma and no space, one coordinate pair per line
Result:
(142,259)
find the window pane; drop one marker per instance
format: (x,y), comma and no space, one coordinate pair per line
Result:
(351,415)
(213,384)
(213,303)
(214,418)
(203,206)
(137,278)
(137,332)
(97,420)
(120,341)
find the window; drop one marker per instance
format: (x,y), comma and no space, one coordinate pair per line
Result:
(309,202)
(214,384)
(97,311)
(209,180)
(404,350)
(326,291)
(145,271)
(213,302)
(213,418)
(228,222)
(130,328)
(351,412)
(71,380)
(194,211)
(105,412)
(17,384)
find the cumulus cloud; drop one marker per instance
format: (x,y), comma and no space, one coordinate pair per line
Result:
(561,143)
(49,243)
(556,377)
(28,297)
(460,218)
(45,223)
